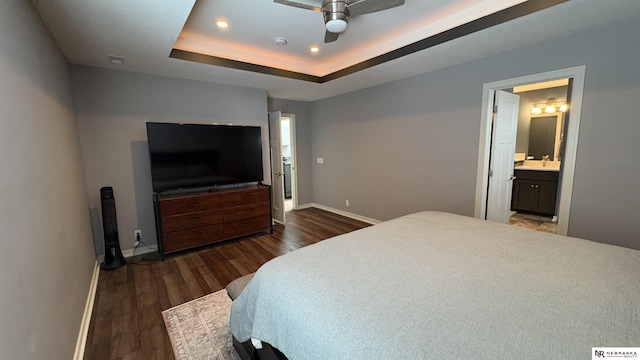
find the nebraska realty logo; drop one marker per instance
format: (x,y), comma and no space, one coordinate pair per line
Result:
(615,353)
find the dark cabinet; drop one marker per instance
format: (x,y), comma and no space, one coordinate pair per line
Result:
(535,191)
(287,180)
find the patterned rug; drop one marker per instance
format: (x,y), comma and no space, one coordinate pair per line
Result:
(199,329)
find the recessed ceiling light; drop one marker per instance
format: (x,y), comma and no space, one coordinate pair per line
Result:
(314,49)
(222,24)
(280,41)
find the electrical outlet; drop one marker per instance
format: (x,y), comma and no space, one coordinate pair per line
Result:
(346,202)
(137,235)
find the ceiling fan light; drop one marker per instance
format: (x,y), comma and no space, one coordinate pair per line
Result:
(336,26)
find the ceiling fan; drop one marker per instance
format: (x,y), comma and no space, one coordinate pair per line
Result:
(337,12)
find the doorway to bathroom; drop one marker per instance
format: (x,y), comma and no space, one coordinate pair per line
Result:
(538,154)
(287,139)
(496,170)
(282,145)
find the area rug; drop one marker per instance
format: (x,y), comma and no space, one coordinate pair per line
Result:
(199,329)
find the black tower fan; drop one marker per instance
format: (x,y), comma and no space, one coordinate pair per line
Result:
(113,258)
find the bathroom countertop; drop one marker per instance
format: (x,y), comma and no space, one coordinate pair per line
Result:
(537,165)
(536,168)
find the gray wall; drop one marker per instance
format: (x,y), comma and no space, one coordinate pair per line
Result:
(413,144)
(302,111)
(47,256)
(112,108)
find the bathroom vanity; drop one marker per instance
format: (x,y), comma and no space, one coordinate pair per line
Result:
(534,190)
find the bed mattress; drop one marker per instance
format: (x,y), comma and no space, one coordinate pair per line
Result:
(439,285)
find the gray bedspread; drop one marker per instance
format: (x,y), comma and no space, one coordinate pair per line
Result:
(435,285)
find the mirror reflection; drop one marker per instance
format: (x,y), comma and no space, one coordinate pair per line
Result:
(545,136)
(541,120)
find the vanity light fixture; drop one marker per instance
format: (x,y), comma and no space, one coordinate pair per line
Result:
(550,107)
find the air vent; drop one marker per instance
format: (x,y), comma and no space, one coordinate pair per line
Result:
(117,60)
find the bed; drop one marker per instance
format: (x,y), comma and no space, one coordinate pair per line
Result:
(438,285)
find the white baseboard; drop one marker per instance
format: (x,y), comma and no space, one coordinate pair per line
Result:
(345,213)
(86,317)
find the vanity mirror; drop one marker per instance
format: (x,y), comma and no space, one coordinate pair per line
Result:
(545,136)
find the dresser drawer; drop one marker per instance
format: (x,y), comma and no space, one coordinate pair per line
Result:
(245,197)
(191,220)
(189,204)
(246,226)
(246,211)
(179,240)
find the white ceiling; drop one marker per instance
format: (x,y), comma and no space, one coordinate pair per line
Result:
(146,31)
(253,29)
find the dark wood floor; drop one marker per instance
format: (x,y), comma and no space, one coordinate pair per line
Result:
(127,322)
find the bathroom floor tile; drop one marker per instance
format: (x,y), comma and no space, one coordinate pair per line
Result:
(536,222)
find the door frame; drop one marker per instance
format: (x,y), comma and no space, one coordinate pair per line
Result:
(571,138)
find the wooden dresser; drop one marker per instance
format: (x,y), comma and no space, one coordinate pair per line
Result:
(189,220)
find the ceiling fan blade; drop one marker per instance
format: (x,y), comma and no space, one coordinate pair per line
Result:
(299,5)
(330,37)
(369,6)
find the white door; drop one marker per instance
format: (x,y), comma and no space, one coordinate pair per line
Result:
(277,178)
(503,147)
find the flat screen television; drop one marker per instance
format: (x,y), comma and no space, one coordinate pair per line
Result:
(196,156)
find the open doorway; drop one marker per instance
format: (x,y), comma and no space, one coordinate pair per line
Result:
(287,141)
(565,181)
(282,140)
(538,154)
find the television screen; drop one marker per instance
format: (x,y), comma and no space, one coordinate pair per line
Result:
(191,155)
